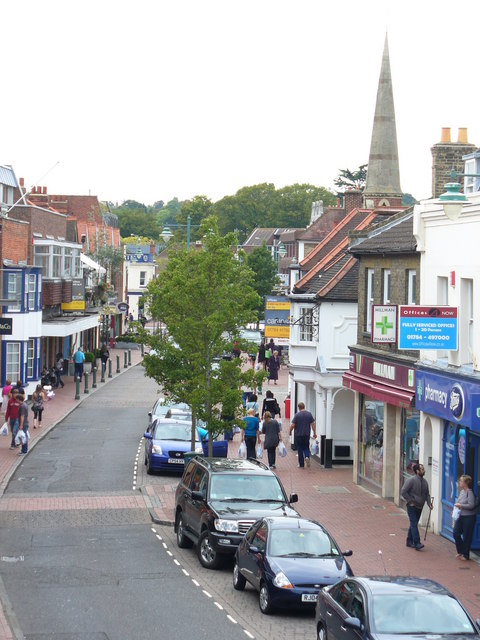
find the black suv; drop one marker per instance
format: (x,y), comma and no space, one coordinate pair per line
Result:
(218,500)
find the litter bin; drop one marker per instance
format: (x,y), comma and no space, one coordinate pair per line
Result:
(189,455)
(287,408)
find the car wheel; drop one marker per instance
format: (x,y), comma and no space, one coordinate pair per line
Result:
(321,632)
(182,541)
(264,599)
(239,581)
(149,468)
(207,555)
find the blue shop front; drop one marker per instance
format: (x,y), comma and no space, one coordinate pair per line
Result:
(457,402)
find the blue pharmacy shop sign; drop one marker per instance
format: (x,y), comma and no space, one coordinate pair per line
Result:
(457,402)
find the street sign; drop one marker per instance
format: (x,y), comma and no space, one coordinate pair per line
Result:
(384,323)
(6,326)
(122,307)
(421,327)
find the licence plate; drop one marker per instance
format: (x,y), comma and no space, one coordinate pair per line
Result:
(176,461)
(309,597)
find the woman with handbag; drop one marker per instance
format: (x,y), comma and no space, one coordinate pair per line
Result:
(271,428)
(465,523)
(38,398)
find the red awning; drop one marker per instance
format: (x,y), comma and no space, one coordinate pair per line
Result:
(373,389)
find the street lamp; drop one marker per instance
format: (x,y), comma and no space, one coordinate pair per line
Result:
(167,234)
(453,200)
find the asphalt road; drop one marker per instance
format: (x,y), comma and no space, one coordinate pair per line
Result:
(79,556)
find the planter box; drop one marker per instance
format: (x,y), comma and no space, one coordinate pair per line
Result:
(127,345)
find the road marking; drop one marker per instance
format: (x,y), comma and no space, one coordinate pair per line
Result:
(159,537)
(206,593)
(231,619)
(185,572)
(154,530)
(217,604)
(164,545)
(176,562)
(169,553)
(197,584)
(247,633)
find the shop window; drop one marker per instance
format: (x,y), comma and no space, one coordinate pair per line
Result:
(410,441)
(30,359)
(371,440)
(411,286)
(14,291)
(306,324)
(143,277)
(13,361)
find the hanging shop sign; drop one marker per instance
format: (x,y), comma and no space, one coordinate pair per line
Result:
(277,317)
(384,323)
(432,328)
(6,326)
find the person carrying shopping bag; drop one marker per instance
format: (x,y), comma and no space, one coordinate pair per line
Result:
(271,428)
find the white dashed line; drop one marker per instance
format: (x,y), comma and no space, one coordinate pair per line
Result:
(231,619)
(185,572)
(154,530)
(159,537)
(164,545)
(176,562)
(206,593)
(247,633)
(169,553)
(217,604)
(197,584)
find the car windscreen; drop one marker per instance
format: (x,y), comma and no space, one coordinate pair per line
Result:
(296,541)
(170,431)
(250,336)
(412,613)
(243,487)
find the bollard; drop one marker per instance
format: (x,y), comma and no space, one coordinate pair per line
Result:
(118,364)
(94,381)
(129,357)
(125,365)
(142,349)
(109,368)
(77,388)
(85,375)
(102,379)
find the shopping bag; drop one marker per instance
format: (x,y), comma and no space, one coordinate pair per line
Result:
(282,450)
(259,451)
(455,515)
(236,430)
(242,451)
(21,437)
(314,448)
(4,429)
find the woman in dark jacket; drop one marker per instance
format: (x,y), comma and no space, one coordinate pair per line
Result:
(271,405)
(465,523)
(273,366)
(271,428)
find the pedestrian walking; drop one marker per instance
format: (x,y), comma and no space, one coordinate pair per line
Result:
(236,352)
(252,403)
(78,359)
(271,346)
(6,394)
(104,356)
(23,422)
(273,367)
(11,415)
(251,433)
(415,492)
(38,399)
(271,405)
(261,356)
(465,522)
(303,423)
(271,428)
(59,371)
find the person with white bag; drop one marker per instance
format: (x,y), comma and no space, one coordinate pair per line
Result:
(23,423)
(251,433)
(272,431)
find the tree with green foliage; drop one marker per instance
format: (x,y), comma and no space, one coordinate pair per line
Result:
(264,268)
(137,222)
(202,298)
(198,208)
(348,179)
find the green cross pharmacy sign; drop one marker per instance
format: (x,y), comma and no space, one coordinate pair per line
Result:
(384,323)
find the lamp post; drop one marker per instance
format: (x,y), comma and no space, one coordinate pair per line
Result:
(167,234)
(453,199)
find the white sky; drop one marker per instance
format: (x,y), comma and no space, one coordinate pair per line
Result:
(151,99)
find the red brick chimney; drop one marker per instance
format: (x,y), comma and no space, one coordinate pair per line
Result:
(353,200)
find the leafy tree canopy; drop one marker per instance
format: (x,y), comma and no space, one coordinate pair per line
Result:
(348,179)
(264,268)
(197,299)
(137,222)
(198,208)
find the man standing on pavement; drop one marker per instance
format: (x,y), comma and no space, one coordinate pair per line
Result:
(303,422)
(78,359)
(23,422)
(415,492)
(11,415)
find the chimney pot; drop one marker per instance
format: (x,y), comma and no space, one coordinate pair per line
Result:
(45,190)
(22,182)
(462,135)
(445,134)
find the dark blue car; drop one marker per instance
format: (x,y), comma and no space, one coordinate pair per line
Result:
(168,440)
(288,561)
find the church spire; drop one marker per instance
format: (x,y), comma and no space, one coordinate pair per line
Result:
(383,176)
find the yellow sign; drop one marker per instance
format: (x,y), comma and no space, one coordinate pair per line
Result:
(278,305)
(277,331)
(75,305)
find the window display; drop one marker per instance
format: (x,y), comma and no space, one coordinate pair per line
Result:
(410,441)
(371,440)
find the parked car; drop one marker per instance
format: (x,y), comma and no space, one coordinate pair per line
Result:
(251,335)
(162,406)
(218,500)
(168,440)
(288,561)
(386,606)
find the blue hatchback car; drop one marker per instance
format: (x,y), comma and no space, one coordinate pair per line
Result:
(168,440)
(288,561)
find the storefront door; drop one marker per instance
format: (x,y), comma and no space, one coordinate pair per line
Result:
(461,455)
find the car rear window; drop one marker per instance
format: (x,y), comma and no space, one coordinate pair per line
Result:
(245,487)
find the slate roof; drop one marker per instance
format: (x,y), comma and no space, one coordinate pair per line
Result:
(333,271)
(393,236)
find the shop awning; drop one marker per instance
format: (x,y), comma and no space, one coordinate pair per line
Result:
(91,263)
(64,326)
(383,392)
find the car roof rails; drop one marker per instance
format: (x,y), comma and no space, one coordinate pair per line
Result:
(258,463)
